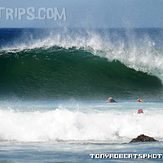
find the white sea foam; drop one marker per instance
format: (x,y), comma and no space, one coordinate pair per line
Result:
(68,125)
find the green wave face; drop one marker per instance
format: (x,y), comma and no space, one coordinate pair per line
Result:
(71,73)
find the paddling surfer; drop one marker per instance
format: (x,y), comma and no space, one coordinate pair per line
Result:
(111,100)
(140,111)
(139,100)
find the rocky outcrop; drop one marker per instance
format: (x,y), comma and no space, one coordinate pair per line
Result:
(143,138)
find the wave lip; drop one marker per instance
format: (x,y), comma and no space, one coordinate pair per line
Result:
(139,53)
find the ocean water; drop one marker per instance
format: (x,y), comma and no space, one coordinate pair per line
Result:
(53,90)
(51,131)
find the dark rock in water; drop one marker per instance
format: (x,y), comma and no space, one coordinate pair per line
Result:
(143,138)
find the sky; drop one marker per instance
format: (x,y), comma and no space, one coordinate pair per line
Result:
(88,13)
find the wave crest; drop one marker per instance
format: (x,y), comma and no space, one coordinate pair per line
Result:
(139,54)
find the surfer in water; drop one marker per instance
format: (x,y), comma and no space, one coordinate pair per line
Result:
(111,100)
(140,111)
(139,100)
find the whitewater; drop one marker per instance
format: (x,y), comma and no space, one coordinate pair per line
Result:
(99,122)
